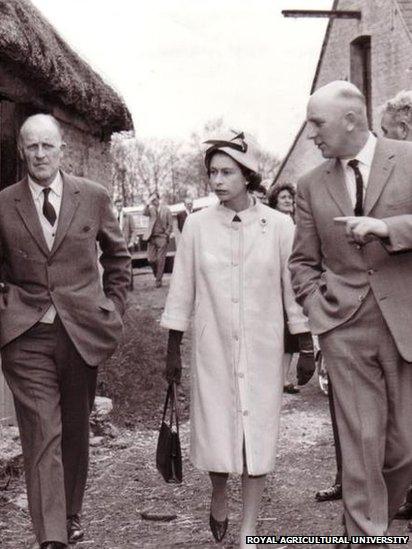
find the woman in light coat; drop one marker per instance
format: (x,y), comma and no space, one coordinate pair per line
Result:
(231,271)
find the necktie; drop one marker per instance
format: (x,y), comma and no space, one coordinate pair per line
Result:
(48,210)
(236,218)
(359,186)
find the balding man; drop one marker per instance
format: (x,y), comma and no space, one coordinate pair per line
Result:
(57,321)
(351,269)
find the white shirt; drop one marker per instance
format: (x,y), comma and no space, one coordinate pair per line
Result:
(49,232)
(365,157)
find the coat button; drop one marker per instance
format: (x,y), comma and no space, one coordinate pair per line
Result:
(361,297)
(236,337)
(241,375)
(371,271)
(235,300)
(245,413)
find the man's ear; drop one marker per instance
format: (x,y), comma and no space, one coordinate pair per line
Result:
(403,130)
(20,150)
(350,119)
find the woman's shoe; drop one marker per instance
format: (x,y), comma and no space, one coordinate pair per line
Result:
(218,527)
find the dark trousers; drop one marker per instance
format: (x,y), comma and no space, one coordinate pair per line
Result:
(372,389)
(156,255)
(53,391)
(338,451)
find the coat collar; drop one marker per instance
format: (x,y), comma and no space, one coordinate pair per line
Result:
(381,168)
(27,211)
(335,183)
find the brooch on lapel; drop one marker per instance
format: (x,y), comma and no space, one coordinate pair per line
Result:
(263,222)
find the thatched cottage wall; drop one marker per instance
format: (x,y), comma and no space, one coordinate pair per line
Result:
(39,72)
(389,26)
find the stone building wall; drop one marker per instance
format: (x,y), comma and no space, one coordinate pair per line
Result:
(86,155)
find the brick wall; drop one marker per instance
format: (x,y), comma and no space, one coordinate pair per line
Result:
(391,53)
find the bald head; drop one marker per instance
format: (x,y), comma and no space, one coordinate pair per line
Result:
(337,119)
(41,146)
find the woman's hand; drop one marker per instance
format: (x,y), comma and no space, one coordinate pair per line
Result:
(173,370)
(306,365)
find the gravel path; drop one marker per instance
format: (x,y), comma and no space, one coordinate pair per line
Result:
(123,481)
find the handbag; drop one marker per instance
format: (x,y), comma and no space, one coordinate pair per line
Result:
(168,452)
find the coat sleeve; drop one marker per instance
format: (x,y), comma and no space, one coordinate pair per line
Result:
(181,297)
(305,263)
(115,258)
(400,234)
(297,322)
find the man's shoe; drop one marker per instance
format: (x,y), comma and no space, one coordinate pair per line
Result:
(405,511)
(52,545)
(330,494)
(75,531)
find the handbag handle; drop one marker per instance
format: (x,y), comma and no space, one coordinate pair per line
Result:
(171,395)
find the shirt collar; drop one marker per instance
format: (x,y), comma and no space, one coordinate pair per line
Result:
(365,155)
(56,186)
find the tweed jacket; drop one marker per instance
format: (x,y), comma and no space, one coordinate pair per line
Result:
(66,276)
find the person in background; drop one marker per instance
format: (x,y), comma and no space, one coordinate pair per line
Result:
(231,271)
(127,227)
(396,123)
(58,321)
(282,198)
(126,223)
(157,235)
(260,193)
(351,271)
(181,216)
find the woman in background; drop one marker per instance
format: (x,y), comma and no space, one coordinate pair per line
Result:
(282,198)
(231,271)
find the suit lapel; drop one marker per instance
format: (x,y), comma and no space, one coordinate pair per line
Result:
(68,207)
(28,213)
(382,166)
(336,185)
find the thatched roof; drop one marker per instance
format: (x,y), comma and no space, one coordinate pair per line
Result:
(36,51)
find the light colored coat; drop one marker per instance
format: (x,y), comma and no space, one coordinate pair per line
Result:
(234,276)
(331,276)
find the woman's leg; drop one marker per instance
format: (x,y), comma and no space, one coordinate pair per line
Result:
(252,489)
(218,504)
(289,379)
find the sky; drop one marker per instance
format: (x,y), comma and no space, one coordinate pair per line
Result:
(181,63)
